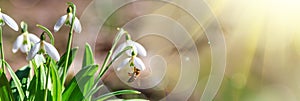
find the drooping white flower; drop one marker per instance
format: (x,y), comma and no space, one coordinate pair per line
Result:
(132,60)
(23,42)
(43,47)
(8,20)
(137,49)
(128,62)
(67,20)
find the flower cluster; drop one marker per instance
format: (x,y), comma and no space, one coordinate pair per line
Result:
(45,75)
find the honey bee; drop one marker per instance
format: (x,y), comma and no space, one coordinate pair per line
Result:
(133,75)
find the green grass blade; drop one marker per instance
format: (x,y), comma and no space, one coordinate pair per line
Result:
(5,91)
(16,81)
(111,94)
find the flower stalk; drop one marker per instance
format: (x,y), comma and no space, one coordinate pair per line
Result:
(70,39)
(2,50)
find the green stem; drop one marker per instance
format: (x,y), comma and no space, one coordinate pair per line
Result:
(103,69)
(47,77)
(48,32)
(46,88)
(2,50)
(68,49)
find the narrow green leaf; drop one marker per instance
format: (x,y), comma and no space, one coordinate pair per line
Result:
(40,86)
(72,92)
(5,91)
(23,76)
(56,84)
(61,63)
(32,88)
(88,57)
(111,94)
(93,91)
(16,81)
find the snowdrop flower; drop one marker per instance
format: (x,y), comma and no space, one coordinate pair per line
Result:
(136,49)
(43,47)
(133,60)
(8,20)
(66,19)
(23,41)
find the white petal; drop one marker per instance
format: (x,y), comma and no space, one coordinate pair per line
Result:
(77,25)
(51,51)
(10,22)
(141,50)
(24,48)
(123,64)
(131,43)
(118,50)
(33,51)
(139,63)
(39,59)
(33,38)
(18,43)
(61,21)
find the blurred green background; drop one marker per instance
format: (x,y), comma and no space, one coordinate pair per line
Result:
(262,38)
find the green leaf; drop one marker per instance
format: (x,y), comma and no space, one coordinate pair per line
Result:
(111,94)
(61,63)
(88,57)
(16,81)
(40,85)
(32,88)
(22,75)
(93,91)
(56,84)
(73,90)
(5,91)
